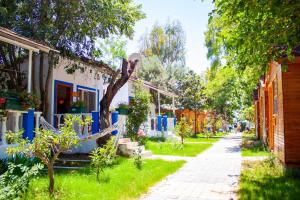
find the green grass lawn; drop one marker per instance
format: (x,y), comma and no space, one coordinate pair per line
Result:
(253,147)
(175,149)
(201,137)
(263,180)
(123,181)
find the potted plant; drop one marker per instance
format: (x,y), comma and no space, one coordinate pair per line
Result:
(11,100)
(29,100)
(123,109)
(78,107)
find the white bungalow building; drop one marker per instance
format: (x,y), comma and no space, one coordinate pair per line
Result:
(72,81)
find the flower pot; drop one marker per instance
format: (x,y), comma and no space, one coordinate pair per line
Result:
(123,111)
(75,109)
(13,103)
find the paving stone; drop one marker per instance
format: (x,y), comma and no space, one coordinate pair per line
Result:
(212,175)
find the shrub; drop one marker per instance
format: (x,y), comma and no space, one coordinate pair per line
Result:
(103,157)
(47,145)
(14,182)
(138,111)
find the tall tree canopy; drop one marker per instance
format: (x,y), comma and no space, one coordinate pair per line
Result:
(190,92)
(167,42)
(222,92)
(69,26)
(252,33)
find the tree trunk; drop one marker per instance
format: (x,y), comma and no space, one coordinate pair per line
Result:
(182,140)
(51,178)
(115,84)
(195,123)
(41,82)
(52,60)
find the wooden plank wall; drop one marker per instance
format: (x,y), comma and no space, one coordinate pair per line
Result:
(190,116)
(275,76)
(291,99)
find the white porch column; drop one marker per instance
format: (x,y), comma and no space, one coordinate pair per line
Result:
(3,130)
(29,81)
(158,95)
(173,105)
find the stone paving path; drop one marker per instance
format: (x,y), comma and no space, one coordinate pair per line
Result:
(212,175)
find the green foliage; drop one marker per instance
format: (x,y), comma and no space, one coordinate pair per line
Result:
(103,157)
(112,51)
(190,91)
(71,26)
(17,159)
(222,92)
(183,129)
(137,158)
(152,70)
(47,145)
(167,42)
(247,35)
(248,114)
(139,109)
(15,181)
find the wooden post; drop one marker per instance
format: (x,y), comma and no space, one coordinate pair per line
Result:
(159,126)
(95,123)
(114,119)
(28,124)
(165,122)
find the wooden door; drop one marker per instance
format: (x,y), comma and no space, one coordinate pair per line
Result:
(271,118)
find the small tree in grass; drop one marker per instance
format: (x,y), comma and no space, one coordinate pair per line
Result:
(103,157)
(47,145)
(183,129)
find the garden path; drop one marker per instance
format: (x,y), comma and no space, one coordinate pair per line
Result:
(212,175)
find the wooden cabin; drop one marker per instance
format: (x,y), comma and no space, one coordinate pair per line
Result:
(195,118)
(277,108)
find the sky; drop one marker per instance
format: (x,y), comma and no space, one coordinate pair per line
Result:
(193,15)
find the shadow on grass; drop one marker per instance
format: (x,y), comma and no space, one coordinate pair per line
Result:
(269,182)
(271,188)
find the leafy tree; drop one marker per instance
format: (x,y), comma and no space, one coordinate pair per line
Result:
(167,42)
(248,114)
(112,51)
(139,109)
(249,34)
(222,95)
(183,129)
(48,145)
(152,70)
(190,90)
(69,26)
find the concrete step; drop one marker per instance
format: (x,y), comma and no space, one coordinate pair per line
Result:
(67,167)
(146,154)
(124,140)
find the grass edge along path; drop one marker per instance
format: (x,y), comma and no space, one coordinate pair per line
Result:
(203,138)
(176,149)
(268,180)
(252,146)
(123,181)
